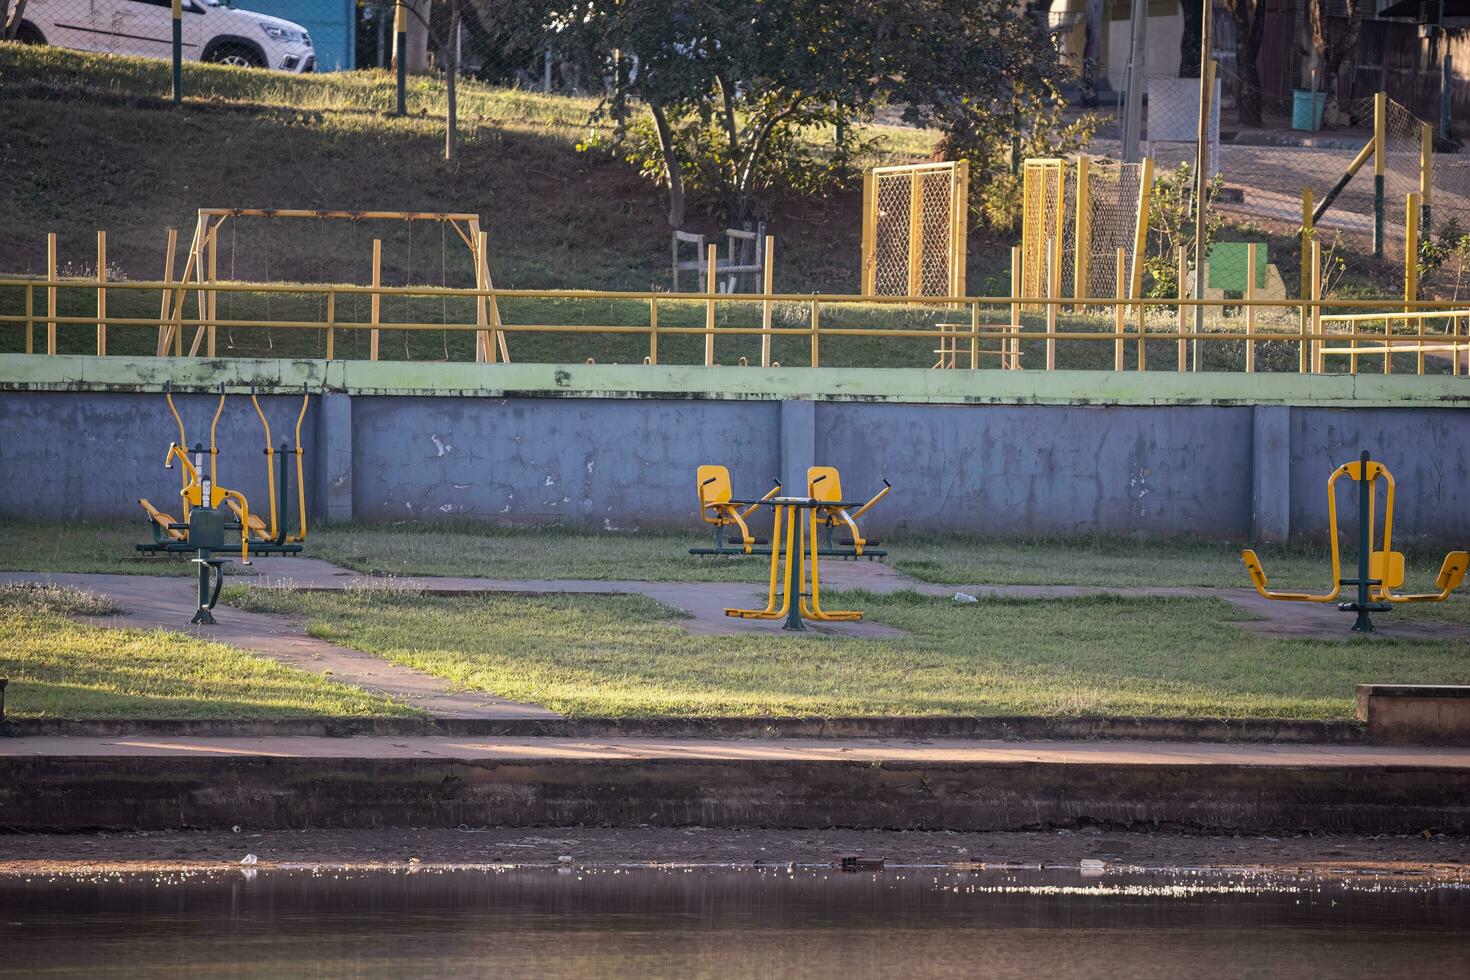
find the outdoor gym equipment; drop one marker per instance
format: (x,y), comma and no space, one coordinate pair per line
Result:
(799,549)
(716,507)
(198,490)
(824,484)
(1380,570)
(277,533)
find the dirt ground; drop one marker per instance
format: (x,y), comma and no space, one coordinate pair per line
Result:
(1437,856)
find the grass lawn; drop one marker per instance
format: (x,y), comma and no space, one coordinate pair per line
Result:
(486,551)
(1128,562)
(626,655)
(59,668)
(77,546)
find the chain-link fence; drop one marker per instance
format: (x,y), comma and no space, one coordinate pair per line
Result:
(1274,170)
(914,230)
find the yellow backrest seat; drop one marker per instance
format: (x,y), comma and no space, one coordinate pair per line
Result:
(712,482)
(823,483)
(1452,572)
(1387,567)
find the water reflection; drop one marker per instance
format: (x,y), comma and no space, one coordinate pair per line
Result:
(726,922)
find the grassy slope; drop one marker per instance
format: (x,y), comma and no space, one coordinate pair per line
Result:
(624,656)
(88,129)
(84,153)
(60,668)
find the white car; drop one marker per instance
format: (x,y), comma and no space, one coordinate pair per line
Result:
(213,31)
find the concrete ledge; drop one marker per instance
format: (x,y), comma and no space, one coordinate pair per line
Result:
(29,372)
(158,792)
(1225,730)
(1415,714)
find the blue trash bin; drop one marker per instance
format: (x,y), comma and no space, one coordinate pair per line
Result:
(1306,109)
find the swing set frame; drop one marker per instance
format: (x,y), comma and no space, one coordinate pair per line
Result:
(201,269)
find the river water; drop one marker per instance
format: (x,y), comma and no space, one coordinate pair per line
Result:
(733,922)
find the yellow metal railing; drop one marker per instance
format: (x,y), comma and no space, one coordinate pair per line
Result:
(1454,338)
(1310,325)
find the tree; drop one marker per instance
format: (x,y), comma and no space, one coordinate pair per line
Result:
(1250,27)
(1189,53)
(726,84)
(1333,40)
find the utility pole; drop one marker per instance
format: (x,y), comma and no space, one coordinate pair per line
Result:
(1202,162)
(1135,81)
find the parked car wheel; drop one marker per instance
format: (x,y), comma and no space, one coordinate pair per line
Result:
(27,33)
(236,54)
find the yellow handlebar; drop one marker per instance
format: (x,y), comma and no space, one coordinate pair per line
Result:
(214,453)
(300,468)
(270,463)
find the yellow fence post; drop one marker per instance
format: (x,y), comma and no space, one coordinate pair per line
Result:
(1316,320)
(1181,264)
(711,260)
(1015,307)
(51,293)
(1120,311)
(1082,250)
(653,330)
(959,237)
(869,268)
(1380,152)
(212,242)
(1305,278)
(816,319)
(1250,308)
(768,278)
(30,319)
(331,324)
(375,305)
(916,234)
(101,293)
(975,338)
(1411,268)
(161,348)
(1053,286)
(1426,176)
(1140,247)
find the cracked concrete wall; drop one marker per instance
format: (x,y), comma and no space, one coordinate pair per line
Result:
(606,463)
(66,456)
(1045,469)
(624,463)
(1427,451)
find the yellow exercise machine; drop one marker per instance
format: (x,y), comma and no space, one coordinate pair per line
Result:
(277,532)
(824,483)
(798,550)
(712,482)
(1380,569)
(797,545)
(172,536)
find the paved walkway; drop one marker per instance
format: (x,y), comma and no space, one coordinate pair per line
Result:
(706,601)
(167,602)
(941,751)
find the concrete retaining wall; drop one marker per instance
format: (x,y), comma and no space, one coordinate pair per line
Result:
(60,793)
(625,459)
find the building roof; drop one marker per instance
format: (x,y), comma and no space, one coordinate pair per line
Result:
(1427,11)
